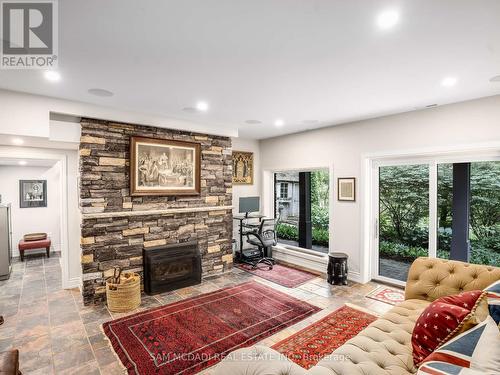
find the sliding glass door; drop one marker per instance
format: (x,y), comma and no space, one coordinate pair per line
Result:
(449,210)
(484,228)
(403,218)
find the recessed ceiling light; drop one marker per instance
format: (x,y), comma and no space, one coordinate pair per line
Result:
(387,19)
(495,79)
(52,76)
(17,141)
(22,162)
(279,122)
(100,92)
(253,122)
(449,81)
(202,106)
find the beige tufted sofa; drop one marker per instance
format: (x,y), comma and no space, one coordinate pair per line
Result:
(384,347)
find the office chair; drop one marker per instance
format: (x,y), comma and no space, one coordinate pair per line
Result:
(264,238)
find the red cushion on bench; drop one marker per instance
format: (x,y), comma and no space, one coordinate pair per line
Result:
(41,244)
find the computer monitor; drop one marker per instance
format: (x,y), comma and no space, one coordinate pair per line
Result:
(249,204)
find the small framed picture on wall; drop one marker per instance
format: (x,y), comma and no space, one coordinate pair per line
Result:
(346,189)
(32,193)
(242,168)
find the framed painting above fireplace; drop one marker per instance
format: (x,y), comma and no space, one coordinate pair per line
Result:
(164,167)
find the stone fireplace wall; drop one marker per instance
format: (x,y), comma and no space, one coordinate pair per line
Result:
(116,226)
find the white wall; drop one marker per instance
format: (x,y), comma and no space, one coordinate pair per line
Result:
(345,148)
(29,220)
(249,145)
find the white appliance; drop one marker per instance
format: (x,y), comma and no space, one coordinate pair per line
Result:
(5,242)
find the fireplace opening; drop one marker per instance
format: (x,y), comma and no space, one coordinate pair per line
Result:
(171,267)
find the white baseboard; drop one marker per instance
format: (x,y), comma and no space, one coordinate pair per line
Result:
(355,276)
(75,282)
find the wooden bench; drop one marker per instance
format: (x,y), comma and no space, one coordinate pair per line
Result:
(31,245)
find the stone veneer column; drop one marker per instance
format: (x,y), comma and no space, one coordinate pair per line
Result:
(104,188)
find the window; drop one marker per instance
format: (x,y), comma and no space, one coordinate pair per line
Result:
(302,205)
(484,212)
(444,210)
(284,190)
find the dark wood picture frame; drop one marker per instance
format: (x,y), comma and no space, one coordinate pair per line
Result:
(345,180)
(135,142)
(24,203)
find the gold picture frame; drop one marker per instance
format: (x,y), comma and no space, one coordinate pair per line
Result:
(346,189)
(242,168)
(164,167)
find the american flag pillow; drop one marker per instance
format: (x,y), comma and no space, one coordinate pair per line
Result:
(443,368)
(476,351)
(493,294)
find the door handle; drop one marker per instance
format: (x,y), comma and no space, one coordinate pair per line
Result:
(376,229)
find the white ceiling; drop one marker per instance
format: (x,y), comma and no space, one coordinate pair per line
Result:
(323,60)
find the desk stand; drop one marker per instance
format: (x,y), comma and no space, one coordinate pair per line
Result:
(248,223)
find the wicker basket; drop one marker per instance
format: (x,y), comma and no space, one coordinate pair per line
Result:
(125,296)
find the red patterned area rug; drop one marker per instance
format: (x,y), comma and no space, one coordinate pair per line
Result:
(188,336)
(387,294)
(308,346)
(280,274)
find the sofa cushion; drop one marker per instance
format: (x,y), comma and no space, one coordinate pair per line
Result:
(384,347)
(477,349)
(429,279)
(258,360)
(445,318)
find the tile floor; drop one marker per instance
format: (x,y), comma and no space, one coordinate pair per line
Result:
(56,334)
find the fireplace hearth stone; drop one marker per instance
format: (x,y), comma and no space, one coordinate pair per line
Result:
(171,267)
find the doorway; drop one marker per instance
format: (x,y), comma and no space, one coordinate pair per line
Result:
(31,189)
(65,163)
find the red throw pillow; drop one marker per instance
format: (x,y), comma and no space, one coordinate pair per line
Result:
(445,318)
